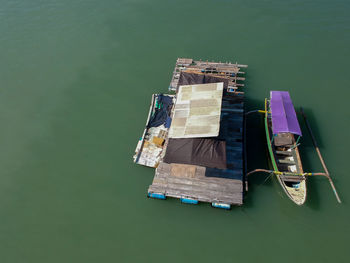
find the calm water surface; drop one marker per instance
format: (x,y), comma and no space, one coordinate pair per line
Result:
(76,81)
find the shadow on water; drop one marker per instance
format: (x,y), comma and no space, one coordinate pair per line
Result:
(308,153)
(256,150)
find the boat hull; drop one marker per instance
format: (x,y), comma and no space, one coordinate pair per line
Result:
(296,193)
(286,159)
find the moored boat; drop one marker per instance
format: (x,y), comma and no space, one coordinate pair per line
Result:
(282,127)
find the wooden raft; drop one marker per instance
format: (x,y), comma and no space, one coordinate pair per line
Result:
(233,71)
(209,184)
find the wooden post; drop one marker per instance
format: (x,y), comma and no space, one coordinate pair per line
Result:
(320,156)
(245,152)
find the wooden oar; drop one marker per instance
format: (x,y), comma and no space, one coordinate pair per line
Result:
(320,156)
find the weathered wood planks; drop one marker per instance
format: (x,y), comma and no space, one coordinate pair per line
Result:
(230,70)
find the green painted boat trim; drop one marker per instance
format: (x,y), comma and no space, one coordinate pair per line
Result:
(273,160)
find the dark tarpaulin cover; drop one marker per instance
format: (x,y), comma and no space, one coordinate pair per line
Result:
(161,115)
(190,78)
(197,151)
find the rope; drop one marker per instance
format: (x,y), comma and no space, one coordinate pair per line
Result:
(255,111)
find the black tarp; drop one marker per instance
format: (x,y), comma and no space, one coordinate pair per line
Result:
(162,111)
(197,151)
(190,78)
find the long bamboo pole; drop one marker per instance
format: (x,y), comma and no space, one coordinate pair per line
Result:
(320,156)
(285,173)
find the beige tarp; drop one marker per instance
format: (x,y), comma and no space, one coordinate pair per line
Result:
(197,111)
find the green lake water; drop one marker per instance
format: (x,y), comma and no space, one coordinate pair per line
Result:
(76,79)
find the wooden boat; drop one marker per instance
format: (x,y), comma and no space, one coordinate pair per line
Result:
(151,145)
(281,126)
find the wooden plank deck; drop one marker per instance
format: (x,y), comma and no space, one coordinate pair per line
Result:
(201,187)
(231,70)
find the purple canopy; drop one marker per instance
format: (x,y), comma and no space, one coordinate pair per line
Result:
(284,118)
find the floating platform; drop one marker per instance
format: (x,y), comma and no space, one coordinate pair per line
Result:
(208,111)
(220,187)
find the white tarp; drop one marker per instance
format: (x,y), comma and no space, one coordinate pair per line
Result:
(197,111)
